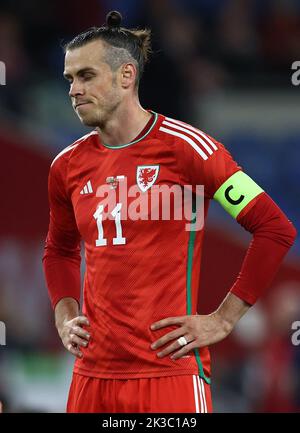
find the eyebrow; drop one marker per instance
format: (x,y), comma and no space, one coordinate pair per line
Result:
(80,72)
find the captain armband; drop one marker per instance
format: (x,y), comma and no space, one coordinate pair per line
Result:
(236,192)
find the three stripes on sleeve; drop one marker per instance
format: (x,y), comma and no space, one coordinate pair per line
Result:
(200,142)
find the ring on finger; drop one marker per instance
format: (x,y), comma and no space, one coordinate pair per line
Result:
(182,341)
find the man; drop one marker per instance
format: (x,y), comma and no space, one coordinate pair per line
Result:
(139,342)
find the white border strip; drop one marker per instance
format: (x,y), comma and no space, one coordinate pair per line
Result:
(89,185)
(72,146)
(63,152)
(204,398)
(187,139)
(196,394)
(194,129)
(193,134)
(202,395)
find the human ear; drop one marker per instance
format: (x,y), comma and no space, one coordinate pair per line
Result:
(128,75)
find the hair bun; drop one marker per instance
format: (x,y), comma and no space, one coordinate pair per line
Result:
(113,19)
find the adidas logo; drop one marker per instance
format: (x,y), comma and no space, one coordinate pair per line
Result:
(87,189)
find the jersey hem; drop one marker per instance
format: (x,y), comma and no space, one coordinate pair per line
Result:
(117,375)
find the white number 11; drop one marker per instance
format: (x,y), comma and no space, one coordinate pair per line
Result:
(116,213)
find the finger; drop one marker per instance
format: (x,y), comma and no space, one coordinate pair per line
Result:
(78,341)
(172,347)
(167,322)
(81,320)
(184,350)
(80,332)
(74,350)
(167,337)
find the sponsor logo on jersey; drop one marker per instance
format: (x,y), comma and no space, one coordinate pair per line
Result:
(146,176)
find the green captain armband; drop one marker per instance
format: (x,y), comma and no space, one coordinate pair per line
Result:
(237,192)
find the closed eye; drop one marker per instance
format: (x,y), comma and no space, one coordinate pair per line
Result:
(83,74)
(87,76)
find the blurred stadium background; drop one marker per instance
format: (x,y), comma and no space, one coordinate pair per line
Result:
(224,65)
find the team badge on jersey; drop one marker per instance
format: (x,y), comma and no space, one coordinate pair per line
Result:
(146,175)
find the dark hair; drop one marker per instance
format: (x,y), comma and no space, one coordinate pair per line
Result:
(124,45)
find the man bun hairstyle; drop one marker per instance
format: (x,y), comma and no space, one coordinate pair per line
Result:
(113,19)
(122,45)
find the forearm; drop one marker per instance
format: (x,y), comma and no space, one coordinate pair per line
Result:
(70,326)
(262,261)
(273,235)
(231,310)
(62,274)
(62,259)
(66,309)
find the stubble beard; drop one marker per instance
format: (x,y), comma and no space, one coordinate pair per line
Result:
(100,117)
(104,113)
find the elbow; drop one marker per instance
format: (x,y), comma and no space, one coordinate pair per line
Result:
(292,232)
(287,233)
(283,232)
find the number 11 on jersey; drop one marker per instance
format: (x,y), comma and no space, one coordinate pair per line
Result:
(116,213)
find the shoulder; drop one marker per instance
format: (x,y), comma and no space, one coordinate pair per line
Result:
(188,138)
(63,157)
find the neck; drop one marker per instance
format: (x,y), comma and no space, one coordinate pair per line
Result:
(127,122)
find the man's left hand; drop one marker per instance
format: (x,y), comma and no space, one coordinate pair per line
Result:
(198,331)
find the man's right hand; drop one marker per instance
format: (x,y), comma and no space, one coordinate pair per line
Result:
(73,336)
(70,324)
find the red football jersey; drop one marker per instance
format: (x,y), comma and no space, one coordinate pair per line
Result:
(138,270)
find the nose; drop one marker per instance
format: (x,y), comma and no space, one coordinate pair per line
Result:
(76,89)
